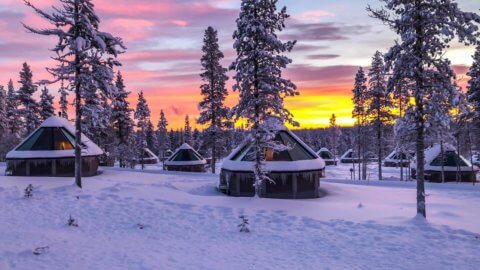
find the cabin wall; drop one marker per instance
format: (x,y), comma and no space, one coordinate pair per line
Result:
(186,168)
(61,167)
(287,185)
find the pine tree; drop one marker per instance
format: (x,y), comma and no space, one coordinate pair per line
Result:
(3,113)
(425,30)
(380,106)
(151,137)
(360,114)
(164,142)
(85,56)
(334,136)
(142,115)
(28,106)
(473,89)
(13,114)
(46,105)
(213,110)
(63,101)
(123,123)
(258,78)
(187,132)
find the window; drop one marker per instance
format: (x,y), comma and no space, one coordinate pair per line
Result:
(47,139)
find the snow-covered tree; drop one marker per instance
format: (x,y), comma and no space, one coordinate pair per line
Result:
(258,77)
(380,106)
(142,115)
(123,123)
(46,104)
(334,134)
(473,88)
(13,114)
(425,29)
(85,56)
(28,106)
(63,101)
(213,113)
(3,113)
(164,143)
(360,114)
(151,137)
(187,131)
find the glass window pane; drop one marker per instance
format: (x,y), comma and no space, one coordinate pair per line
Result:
(27,146)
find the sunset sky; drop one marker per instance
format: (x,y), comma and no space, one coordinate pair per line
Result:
(164,40)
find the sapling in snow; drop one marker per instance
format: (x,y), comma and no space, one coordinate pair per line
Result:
(28,191)
(72,222)
(244,224)
(40,250)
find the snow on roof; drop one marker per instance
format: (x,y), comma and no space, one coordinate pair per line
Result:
(433,159)
(325,154)
(149,153)
(348,154)
(89,147)
(304,158)
(185,155)
(395,156)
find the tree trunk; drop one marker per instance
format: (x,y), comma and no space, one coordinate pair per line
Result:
(379,140)
(419,113)
(78,111)
(443,161)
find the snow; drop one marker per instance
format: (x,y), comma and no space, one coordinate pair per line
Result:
(187,224)
(90,149)
(185,147)
(434,151)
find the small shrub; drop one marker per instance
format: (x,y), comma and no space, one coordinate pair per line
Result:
(244,224)
(72,222)
(28,191)
(40,250)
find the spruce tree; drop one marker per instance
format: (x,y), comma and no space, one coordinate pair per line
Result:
(123,123)
(85,56)
(142,115)
(334,134)
(13,114)
(3,113)
(164,142)
(380,106)
(258,78)
(360,114)
(213,113)
(29,112)
(187,132)
(151,137)
(425,29)
(46,104)
(63,101)
(473,90)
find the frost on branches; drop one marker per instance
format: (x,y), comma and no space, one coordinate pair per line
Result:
(187,132)
(214,113)
(258,77)
(85,56)
(425,29)
(12,112)
(473,93)
(63,101)
(360,114)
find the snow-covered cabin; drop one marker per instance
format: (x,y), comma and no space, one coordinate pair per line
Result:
(296,171)
(148,157)
(349,157)
(455,167)
(49,151)
(186,159)
(398,159)
(327,156)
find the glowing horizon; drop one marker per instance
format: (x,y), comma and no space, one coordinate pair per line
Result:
(164,40)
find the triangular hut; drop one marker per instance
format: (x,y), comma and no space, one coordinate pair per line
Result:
(349,157)
(454,166)
(327,156)
(186,159)
(296,171)
(49,151)
(148,157)
(398,159)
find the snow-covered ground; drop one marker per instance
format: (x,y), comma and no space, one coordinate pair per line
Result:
(187,224)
